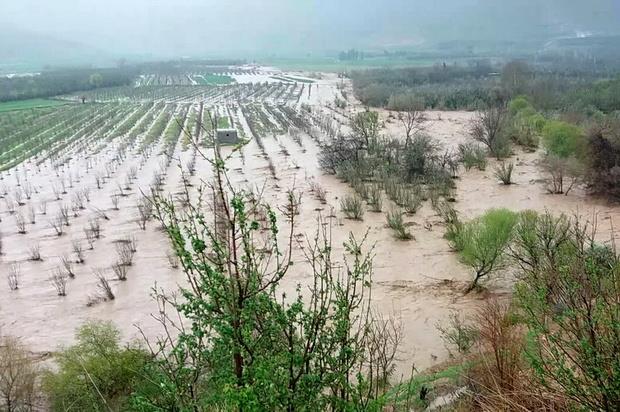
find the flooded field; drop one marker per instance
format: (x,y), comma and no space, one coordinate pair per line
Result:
(78,204)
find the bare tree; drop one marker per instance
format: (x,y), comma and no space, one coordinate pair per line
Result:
(13,276)
(114,197)
(125,253)
(145,212)
(131,242)
(57,225)
(410,114)
(18,196)
(104,285)
(20,223)
(59,281)
(10,205)
(488,129)
(32,215)
(95,227)
(67,265)
(90,238)
(56,191)
(120,271)
(18,376)
(34,251)
(78,250)
(63,212)
(28,190)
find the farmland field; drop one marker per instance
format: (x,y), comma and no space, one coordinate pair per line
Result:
(74,178)
(29,104)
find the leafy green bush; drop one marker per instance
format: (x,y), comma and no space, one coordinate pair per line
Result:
(95,374)
(562,139)
(569,298)
(483,241)
(353,207)
(395,222)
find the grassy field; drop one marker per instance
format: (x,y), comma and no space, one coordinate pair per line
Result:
(29,104)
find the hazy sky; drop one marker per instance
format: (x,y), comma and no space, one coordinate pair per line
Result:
(196,27)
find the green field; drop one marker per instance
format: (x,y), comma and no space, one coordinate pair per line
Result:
(214,79)
(29,104)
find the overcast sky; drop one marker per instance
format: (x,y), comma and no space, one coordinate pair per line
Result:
(196,27)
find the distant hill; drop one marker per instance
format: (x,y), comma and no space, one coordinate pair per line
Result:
(27,51)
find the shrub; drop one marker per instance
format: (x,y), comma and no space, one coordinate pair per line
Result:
(504,173)
(95,374)
(472,155)
(395,222)
(18,375)
(457,334)
(483,241)
(603,159)
(353,207)
(375,198)
(568,298)
(562,173)
(562,139)
(489,127)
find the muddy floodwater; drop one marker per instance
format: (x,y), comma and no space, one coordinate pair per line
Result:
(420,281)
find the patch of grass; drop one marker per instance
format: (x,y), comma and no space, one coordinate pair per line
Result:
(29,104)
(223,122)
(408,394)
(214,79)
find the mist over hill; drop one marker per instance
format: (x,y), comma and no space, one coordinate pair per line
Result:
(81,31)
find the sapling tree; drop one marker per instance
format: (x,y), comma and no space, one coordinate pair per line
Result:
(484,241)
(305,351)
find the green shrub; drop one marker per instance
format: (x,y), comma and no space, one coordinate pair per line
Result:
(562,139)
(395,222)
(95,374)
(413,199)
(568,295)
(483,242)
(375,198)
(504,173)
(352,207)
(472,155)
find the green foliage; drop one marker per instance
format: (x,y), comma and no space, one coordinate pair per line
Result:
(249,347)
(562,139)
(395,222)
(504,173)
(352,207)
(472,155)
(458,334)
(569,302)
(482,242)
(95,374)
(525,123)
